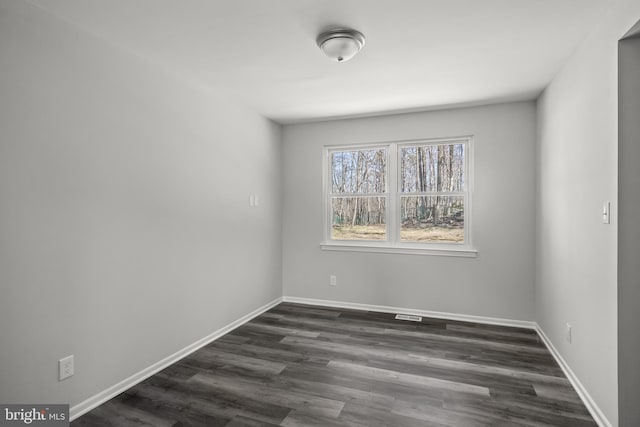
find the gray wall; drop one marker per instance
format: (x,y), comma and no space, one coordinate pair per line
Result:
(125,228)
(576,276)
(498,283)
(629,230)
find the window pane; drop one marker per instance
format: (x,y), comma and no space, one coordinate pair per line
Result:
(432,219)
(360,171)
(358,218)
(432,168)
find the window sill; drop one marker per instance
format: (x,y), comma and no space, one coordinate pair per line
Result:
(462,252)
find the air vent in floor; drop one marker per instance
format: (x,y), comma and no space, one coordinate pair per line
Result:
(408,317)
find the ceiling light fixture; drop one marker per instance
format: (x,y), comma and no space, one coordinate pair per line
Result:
(340,44)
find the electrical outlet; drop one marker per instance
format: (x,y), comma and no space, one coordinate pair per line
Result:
(333,281)
(65,368)
(568,333)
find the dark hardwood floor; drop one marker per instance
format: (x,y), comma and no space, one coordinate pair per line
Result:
(299,365)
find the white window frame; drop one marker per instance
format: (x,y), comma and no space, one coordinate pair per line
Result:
(393,244)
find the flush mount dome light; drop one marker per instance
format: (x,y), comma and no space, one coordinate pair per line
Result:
(341,44)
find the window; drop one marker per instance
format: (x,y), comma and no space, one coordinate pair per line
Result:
(401,197)
(359,195)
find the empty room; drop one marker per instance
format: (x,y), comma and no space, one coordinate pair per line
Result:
(319,213)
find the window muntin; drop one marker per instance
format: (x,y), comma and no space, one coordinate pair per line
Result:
(400,195)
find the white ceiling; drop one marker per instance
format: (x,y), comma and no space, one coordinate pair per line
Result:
(419,54)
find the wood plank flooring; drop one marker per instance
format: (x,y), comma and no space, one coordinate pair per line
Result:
(299,365)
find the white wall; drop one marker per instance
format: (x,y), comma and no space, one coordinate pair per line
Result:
(577,172)
(628,230)
(498,283)
(125,231)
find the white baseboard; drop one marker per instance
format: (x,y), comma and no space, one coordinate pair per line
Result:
(424,313)
(588,401)
(100,398)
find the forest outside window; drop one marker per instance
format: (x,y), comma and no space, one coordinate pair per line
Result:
(400,197)
(359,194)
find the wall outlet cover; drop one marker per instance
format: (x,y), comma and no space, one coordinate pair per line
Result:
(65,368)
